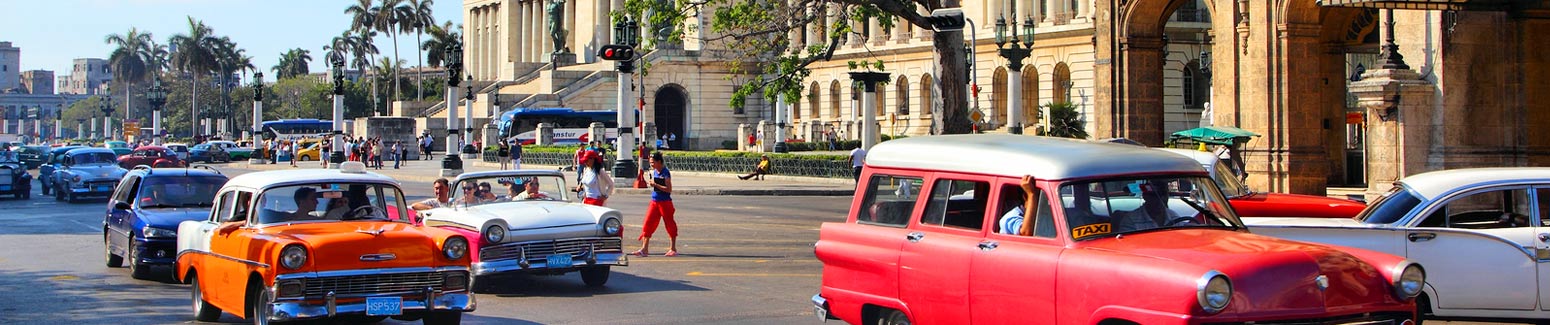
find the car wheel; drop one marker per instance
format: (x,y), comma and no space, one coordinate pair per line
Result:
(26,194)
(136,270)
(306,158)
(107,251)
(443,317)
(59,194)
(70,197)
(203,310)
(893,317)
(258,309)
(1422,307)
(595,276)
(44,188)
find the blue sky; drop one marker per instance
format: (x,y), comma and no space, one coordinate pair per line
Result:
(51,33)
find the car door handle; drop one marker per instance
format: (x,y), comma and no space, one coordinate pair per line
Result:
(915,236)
(988,246)
(1421,236)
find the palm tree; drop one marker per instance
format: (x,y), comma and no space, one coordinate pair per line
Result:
(393,18)
(441,36)
(1065,121)
(195,55)
(129,60)
(364,20)
(292,63)
(420,10)
(383,73)
(230,59)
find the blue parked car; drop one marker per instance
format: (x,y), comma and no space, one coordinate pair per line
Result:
(54,162)
(141,226)
(208,153)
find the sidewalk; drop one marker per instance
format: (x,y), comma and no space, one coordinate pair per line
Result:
(684,183)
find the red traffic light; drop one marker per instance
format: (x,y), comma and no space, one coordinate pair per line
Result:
(616,53)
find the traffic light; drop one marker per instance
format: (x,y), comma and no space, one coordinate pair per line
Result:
(616,53)
(947,19)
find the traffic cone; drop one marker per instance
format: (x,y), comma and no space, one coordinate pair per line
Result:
(640,179)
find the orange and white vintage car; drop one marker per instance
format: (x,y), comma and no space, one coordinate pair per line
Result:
(300,244)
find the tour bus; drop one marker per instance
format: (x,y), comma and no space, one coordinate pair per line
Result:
(570,125)
(295,129)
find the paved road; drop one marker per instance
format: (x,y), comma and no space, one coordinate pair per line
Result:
(743,261)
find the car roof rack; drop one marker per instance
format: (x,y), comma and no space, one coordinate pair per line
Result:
(148,169)
(206,167)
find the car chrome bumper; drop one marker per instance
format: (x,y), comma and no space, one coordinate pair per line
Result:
(522,264)
(821,308)
(296,310)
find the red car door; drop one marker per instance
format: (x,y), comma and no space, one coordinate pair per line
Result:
(861,256)
(1012,277)
(934,263)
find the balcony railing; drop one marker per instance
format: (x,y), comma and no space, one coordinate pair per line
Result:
(1191,15)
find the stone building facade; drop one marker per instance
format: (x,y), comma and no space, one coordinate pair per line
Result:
(88,76)
(38,82)
(10,66)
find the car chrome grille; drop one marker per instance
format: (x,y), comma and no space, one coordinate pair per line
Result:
(539,250)
(1383,318)
(372,284)
(109,184)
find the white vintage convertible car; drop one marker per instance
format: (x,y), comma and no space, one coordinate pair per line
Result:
(1482,234)
(529,223)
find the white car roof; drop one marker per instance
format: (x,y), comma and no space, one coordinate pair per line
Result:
(1017,155)
(1432,185)
(267,179)
(513,173)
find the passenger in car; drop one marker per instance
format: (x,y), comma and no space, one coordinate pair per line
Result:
(1152,213)
(306,201)
(1012,222)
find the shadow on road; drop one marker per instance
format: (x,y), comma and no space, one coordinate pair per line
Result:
(65,298)
(569,285)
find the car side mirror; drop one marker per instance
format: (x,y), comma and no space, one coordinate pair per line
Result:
(121,206)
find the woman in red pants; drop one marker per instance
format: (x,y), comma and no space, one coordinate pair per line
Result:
(661,208)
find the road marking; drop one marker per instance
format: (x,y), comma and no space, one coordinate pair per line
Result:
(64,277)
(83,224)
(802,275)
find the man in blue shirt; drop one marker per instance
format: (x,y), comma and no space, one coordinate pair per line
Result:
(1012,222)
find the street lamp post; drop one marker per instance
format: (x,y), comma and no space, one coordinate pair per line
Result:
(80,128)
(452,165)
(468,120)
(107,117)
(336,154)
(1014,55)
(156,96)
(258,115)
(622,52)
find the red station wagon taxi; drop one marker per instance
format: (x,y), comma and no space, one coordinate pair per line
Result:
(1119,235)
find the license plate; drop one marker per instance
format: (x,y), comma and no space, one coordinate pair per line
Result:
(102,188)
(384,306)
(558,260)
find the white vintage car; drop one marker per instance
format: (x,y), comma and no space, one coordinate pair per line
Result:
(1483,235)
(528,223)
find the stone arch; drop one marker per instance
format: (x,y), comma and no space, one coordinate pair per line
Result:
(1060,83)
(1030,93)
(813,98)
(925,95)
(998,84)
(902,92)
(834,100)
(1130,87)
(671,113)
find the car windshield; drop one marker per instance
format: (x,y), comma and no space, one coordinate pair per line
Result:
(1231,186)
(94,158)
(1390,207)
(331,202)
(8,156)
(1107,207)
(116,144)
(179,192)
(485,190)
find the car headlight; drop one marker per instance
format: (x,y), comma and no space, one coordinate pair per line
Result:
(153,232)
(455,247)
(293,256)
(1214,291)
(77,178)
(612,227)
(494,234)
(1411,278)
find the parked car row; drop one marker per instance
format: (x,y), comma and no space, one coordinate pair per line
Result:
(345,242)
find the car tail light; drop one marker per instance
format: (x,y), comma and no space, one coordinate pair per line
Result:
(455,281)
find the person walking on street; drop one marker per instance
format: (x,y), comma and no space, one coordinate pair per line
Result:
(398,153)
(595,186)
(857,158)
(295,148)
(660,208)
(502,153)
(516,154)
(760,170)
(376,153)
(326,152)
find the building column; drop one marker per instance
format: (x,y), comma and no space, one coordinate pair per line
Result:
(925,33)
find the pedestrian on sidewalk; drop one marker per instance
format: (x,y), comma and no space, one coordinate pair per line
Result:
(376,152)
(516,153)
(577,159)
(295,148)
(502,153)
(398,153)
(857,158)
(326,152)
(595,186)
(760,170)
(661,208)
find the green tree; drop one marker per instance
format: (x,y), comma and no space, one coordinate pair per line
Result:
(441,36)
(229,59)
(292,63)
(421,17)
(1065,121)
(364,20)
(395,17)
(195,55)
(759,36)
(301,98)
(131,61)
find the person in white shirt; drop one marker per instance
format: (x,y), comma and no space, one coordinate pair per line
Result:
(595,185)
(857,157)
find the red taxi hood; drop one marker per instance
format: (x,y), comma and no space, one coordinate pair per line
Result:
(1269,275)
(1295,205)
(342,245)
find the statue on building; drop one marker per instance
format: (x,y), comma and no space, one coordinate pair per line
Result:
(556,10)
(662,31)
